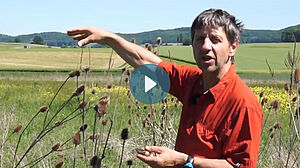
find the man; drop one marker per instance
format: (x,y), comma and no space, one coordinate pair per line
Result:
(221,119)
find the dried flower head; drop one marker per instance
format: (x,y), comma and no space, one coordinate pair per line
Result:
(261,94)
(17,129)
(272,135)
(86,69)
(128,72)
(158,40)
(124,134)
(83,127)
(133,41)
(78,91)
(123,70)
(277,126)
(104,121)
(82,104)
(43,109)
(264,101)
(76,139)
(94,161)
(275,104)
(56,147)
(74,73)
(129,162)
(109,86)
(59,165)
(126,79)
(297,75)
(138,114)
(286,87)
(150,48)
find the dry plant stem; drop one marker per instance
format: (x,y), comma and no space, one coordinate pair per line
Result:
(50,104)
(94,132)
(83,117)
(42,133)
(106,141)
(170,58)
(280,134)
(81,56)
(123,145)
(152,125)
(74,159)
(36,161)
(20,136)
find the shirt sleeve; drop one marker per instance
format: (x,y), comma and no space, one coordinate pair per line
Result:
(242,144)
(178,75)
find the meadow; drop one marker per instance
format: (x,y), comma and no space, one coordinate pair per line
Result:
(30,78)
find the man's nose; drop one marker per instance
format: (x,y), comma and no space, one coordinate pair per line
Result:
(207,44)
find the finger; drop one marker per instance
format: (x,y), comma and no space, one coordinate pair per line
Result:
(155,149)
(76,31)
(146,159)
(83,42)
(80,36)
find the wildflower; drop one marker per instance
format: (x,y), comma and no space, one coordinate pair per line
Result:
(56,147)
(159,40)
(76,139)
(74,73)
(124,134)
(297,75)
(59,165)
(83,127)
(17,129)
(78,91)
(43,109)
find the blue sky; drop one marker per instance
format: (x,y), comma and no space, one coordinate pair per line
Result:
(131,16)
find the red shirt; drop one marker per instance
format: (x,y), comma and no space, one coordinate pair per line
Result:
(223,123)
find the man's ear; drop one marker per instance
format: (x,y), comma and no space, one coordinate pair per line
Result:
(233,48)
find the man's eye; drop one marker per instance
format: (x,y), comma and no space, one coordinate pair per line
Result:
(216,40)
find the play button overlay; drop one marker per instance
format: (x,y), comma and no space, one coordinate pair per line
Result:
(149,83)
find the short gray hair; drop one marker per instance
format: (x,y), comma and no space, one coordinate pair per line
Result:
(218,18)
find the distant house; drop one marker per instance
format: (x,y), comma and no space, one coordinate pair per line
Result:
(173,44)
(26,46)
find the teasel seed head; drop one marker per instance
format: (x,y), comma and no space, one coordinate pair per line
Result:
(17,129)
(277,126)
(124,134)
(272,135)
(126,79)
(59,165)
(295,99)
(86,69)
(159,40)
(286,87)
(58,123)
(133,41)
(78,91)
(123,70)
(94,161)
(56,147)
(129,122)
(76,139)
(150,48)
(297,75)
(83,104)
(109,86)
(83,127)
(93,91)
(275,104)
(129,162)
(104,122)
(261,94)
(43,109)
(264,101)
(74,73)
(128,72)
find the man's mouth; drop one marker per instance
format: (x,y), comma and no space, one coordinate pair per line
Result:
(207,59)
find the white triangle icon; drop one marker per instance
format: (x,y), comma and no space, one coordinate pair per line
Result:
(149,83)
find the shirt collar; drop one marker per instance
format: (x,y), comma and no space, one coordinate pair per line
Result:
(218,89)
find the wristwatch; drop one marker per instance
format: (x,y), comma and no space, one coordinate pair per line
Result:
(189,162)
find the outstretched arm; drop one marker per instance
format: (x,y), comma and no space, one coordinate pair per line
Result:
(131,53)
(159,157)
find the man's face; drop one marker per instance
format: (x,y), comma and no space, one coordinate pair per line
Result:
(212,50)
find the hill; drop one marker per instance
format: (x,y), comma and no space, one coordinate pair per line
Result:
(169,36)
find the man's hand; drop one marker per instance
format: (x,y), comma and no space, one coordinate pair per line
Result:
(158,157)
(87,35)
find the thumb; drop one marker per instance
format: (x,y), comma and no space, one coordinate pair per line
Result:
(83,42)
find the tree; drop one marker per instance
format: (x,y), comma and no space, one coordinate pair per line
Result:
(17,40)
(38,40)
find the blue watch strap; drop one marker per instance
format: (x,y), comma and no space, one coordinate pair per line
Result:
(190,165)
